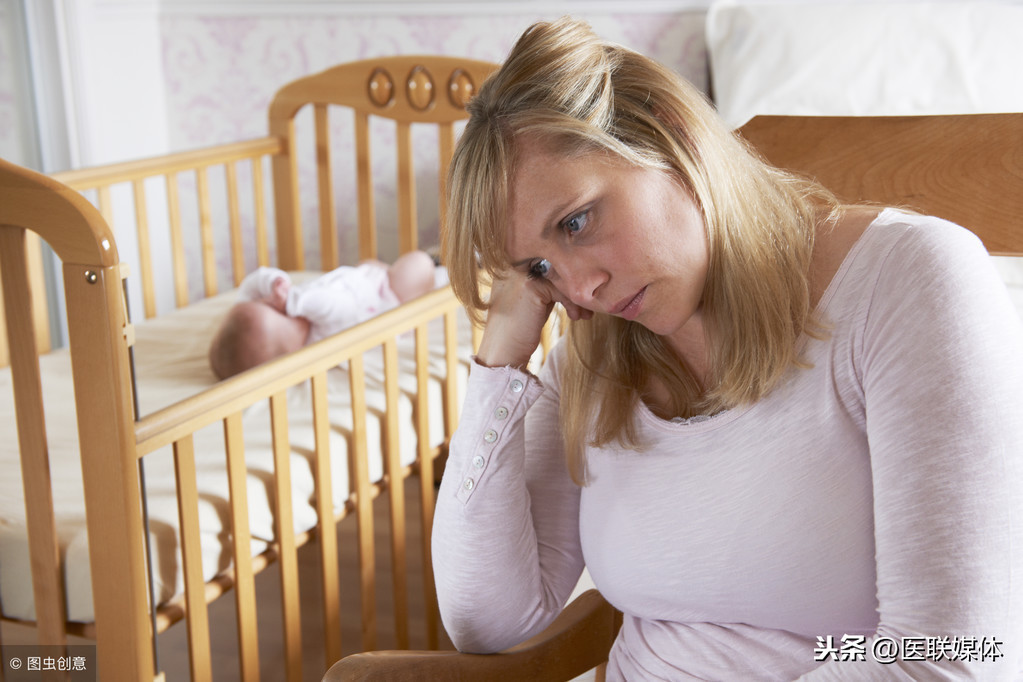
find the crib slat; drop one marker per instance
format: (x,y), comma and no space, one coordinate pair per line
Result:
(209,254)
(241,545)
(327,524)
(425,457)
(287,201)
(284,530)
(105,205)
(451,376)
(177,245)
(191,560)
(396,496)
(407,234)
(145,251)
(447,150)
(368,247)
(259,198)
(5,355)
(546,339)
(37,282)
(44,552)
(359,476)
(325,177)
(234,223)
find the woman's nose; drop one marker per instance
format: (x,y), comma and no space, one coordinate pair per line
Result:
(581,282)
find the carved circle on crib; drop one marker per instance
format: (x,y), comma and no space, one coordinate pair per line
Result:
(460,88)
(381,87)
(419,89)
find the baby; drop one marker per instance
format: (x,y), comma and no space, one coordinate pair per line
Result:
(275,317)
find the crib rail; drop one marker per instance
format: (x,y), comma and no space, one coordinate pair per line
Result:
(172,213)
(103,180)
(224,402)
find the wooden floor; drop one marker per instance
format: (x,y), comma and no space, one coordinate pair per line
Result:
(173,647)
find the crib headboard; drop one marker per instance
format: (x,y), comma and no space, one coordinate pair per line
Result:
(407,89)
(965,168)
(176,222)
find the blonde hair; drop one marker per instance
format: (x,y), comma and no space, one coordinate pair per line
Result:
(580,94)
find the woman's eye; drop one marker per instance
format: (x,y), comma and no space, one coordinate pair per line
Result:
(575,224)
(539,269)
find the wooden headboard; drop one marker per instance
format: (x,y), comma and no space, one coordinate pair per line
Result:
(966,168)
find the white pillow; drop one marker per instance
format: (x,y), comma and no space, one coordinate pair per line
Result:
(845,58)
(857,58)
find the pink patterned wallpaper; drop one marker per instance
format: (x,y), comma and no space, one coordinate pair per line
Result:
(220,73)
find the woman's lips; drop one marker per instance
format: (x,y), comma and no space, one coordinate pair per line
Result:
(629,308)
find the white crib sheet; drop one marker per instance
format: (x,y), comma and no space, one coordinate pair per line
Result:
(171,364)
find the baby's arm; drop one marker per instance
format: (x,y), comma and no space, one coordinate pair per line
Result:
(279,293)
(269,285)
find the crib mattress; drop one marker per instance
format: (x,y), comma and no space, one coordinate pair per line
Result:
(171,364)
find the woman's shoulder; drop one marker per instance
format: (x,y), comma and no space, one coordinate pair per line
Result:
(919,267)
(907,245)
(906,259)
(919,230)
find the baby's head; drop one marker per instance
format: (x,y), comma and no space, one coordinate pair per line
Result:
(252,333)
(412,275)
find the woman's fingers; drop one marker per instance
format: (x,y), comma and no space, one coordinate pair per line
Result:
(518,309)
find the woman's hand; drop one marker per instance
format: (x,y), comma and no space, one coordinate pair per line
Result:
(519,308)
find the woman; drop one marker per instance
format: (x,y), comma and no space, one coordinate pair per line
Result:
(780,432)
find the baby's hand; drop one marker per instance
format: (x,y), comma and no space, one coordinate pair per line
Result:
(279,293)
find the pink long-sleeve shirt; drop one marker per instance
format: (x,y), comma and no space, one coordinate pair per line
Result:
(878,494)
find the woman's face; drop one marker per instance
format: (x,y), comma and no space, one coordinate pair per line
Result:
(608,236)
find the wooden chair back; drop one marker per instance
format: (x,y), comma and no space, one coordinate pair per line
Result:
(408,90)
(967,168)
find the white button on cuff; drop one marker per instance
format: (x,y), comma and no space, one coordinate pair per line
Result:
(468,484)
(516,386)
(490,436)
(501,413)
(478,461)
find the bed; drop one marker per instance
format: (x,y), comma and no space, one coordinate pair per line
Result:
(174,487)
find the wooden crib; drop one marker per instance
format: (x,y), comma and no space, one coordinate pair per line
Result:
(419,352)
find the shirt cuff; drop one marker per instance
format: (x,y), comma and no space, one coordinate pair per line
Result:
(497,399)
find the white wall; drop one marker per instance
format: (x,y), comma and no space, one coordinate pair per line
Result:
(17,139)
